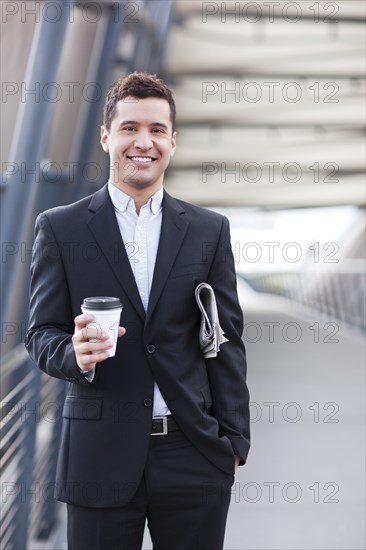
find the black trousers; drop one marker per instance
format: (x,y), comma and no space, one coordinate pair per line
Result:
(183,496)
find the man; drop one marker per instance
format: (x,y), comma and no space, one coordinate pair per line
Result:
(117,466)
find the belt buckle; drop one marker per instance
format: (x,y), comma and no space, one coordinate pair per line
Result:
(165,425)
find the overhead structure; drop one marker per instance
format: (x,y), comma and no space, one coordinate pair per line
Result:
(271,108)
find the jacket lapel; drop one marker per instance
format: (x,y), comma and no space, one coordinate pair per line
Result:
(103,224)
(173,230)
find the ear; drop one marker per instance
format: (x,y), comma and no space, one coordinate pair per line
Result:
(104,136)
(173,143)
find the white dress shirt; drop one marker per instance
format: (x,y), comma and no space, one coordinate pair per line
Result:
(141,234)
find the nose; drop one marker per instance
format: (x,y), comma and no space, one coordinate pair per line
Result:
(143,140)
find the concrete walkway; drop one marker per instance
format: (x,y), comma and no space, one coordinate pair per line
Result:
(303,486)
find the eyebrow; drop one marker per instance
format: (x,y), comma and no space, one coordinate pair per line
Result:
(124,122)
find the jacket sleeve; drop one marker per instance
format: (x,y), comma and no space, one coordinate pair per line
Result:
(51,323)
(227,372)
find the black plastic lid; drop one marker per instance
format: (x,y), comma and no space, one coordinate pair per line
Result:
(101,302)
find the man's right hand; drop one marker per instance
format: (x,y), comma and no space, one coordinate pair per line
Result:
(88,354)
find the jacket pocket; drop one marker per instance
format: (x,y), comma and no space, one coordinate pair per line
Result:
(207,397)
(82,408)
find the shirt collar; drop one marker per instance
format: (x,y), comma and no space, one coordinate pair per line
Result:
(156,200)
(122,202)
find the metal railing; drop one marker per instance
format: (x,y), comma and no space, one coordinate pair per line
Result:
(28,450)
(334,295)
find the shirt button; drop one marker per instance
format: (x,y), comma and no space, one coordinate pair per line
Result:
(142,293)
(151,348)
(147,402)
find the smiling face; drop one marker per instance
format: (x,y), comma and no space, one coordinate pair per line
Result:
(140,144)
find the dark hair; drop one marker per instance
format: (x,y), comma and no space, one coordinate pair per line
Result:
(141,86)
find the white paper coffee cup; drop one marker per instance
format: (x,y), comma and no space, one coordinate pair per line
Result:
(107,312)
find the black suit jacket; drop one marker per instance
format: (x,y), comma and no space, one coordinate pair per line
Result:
(79,252)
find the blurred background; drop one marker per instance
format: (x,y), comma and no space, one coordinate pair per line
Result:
(271,120)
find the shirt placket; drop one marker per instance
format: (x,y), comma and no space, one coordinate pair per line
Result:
(141,264)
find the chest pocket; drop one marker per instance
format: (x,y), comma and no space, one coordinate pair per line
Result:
(185,270)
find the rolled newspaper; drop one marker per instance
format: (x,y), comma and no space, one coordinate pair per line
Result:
(211,335)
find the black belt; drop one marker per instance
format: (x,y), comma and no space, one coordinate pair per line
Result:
(162,425)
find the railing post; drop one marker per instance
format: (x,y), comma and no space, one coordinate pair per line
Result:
(28,147)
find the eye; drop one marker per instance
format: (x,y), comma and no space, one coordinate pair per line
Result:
(128,128)
(158,130)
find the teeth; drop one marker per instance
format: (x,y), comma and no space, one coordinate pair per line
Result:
(142,159)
